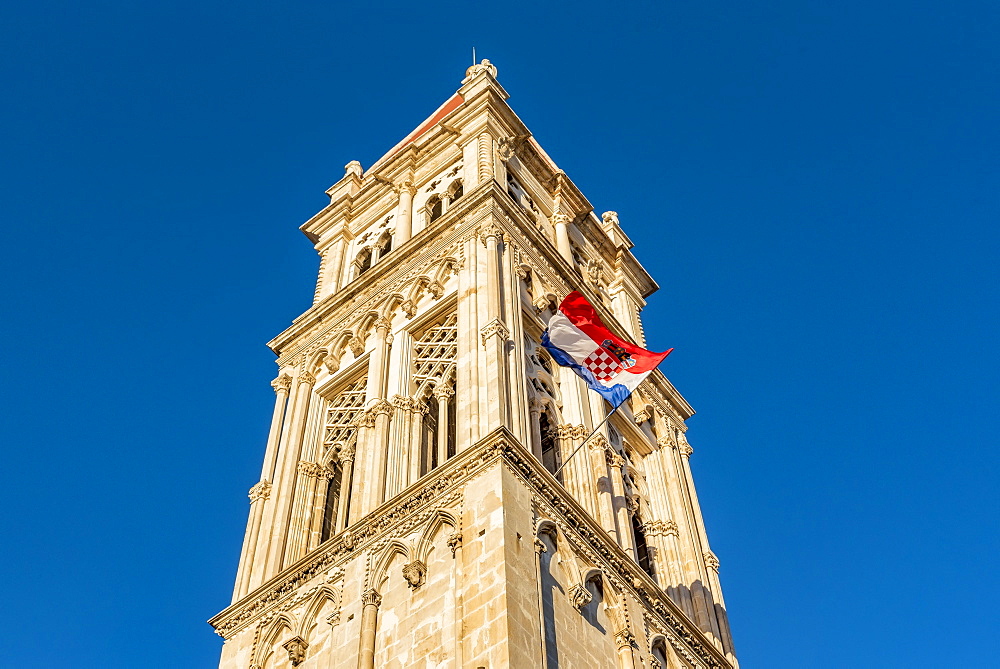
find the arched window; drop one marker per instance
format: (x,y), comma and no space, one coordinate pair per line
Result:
(331,505)
(456,192)
(434,354)
(435,207)
(384,245)
(660,655)
(641,547)
(364,261)
(550,447)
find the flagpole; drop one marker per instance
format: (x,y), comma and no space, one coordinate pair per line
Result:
(577,449)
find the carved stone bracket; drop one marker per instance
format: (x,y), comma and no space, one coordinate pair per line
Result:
(296,647)
(579,596)
(415,574)
(494,329)
(357,345)
(260,490)
(454,541)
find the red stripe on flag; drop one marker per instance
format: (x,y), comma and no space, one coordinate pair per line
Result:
(583,315)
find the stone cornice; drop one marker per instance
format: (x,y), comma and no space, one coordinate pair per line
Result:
(499,447)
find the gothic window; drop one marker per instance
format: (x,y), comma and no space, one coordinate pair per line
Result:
(456,191)
(331,505)
(340,414)
(339,438)
(550,447)
(641,547)
(434,353)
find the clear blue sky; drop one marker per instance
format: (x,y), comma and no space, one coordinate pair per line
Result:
(813,184)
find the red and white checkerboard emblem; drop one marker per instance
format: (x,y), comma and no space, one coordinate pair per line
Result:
(603,365)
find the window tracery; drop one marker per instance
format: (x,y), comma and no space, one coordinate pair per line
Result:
(434,354)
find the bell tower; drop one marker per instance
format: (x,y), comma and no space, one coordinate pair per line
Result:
(407,514)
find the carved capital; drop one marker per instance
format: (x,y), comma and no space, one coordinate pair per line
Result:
(415,574)
(599,443)
(540,546)
(443,391)
(489,232)
(402,403)
(380,406)
(711,561)
(383,325)
(494,329)
(560,218)
(307,378)
(310,469)
(665,442)
(333,619)
(624,638)
(296,647)
(613,459)
(260,490)
(371,598)
(686,450)
(579,596)
(282,383)
(454,541)
(406,187)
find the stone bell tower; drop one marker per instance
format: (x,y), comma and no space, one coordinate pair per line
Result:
(406,514)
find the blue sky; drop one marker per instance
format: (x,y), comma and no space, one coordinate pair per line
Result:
(814,185)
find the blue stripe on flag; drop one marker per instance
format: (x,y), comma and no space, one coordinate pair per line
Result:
(616,394)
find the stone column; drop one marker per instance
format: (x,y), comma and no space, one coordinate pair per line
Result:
(495,335)
(535,414)
(485,157)
(404,213)
(704,590)
(625,641)
(370,601)
(261,492)
(347,464)
(561,223)
(624,521)
(468,347)
(442,393)
(291,447)
(455,544)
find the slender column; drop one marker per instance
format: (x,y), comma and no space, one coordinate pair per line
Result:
(281,386)
(305,500)
(379,410)
(615,464)
(625,641)
(404,213)
(291,447)
(400,444)
(706,593)
(535,412)
(467,369)
(258,496)
(495,335)
(442,394)
(370,602)
(347,463)
(597,448)
(561,223)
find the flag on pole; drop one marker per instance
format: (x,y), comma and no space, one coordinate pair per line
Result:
(611,366)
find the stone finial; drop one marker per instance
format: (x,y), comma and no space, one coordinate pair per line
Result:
(353,167)
(610,218)
(483,66)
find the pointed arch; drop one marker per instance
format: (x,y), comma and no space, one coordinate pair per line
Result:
(270,634)
(378,574)
(440,518)
(316,603)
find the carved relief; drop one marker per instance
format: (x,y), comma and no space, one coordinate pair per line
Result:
(296,647)
(415,574)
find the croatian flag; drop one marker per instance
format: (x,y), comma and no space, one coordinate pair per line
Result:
(613,367)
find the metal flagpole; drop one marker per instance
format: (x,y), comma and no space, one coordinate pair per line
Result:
(577,449)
